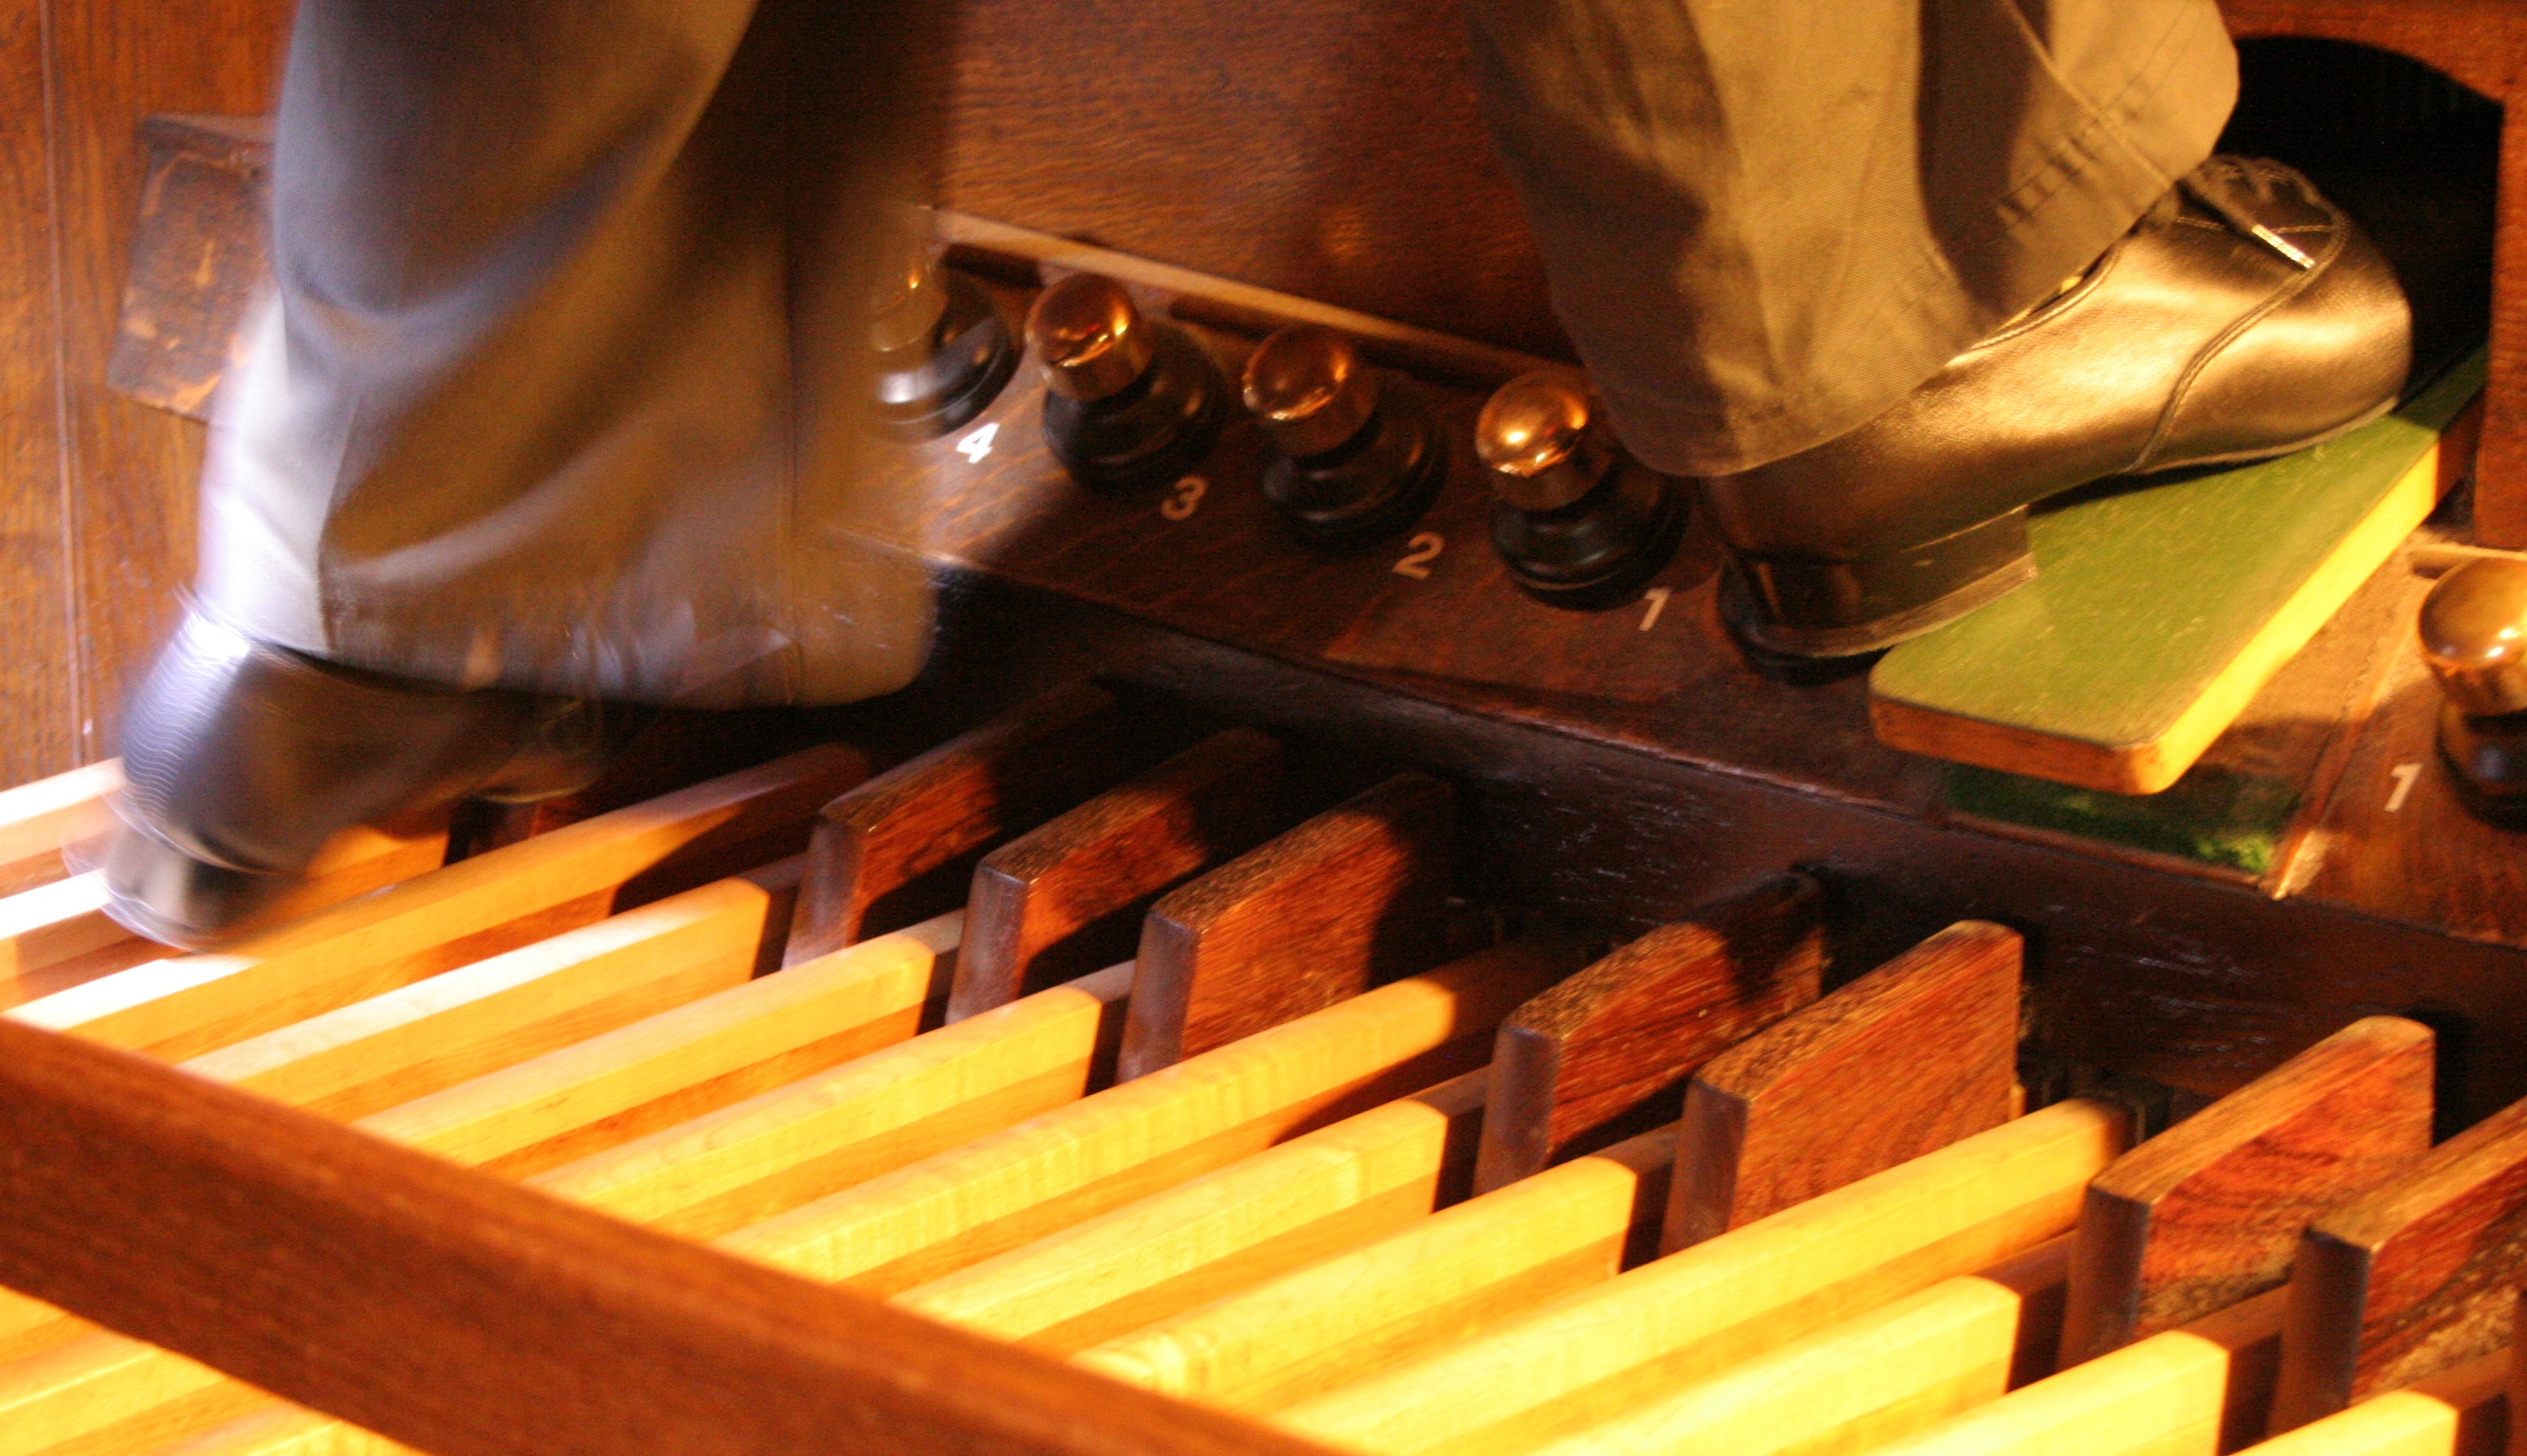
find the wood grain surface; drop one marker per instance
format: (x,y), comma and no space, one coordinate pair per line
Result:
(478,907)
(1594,1353)
(462,1023)
(1066,898)
(723,1170)
(58,935)
(1902,1061)
(2464,1412)
(103,1391)
(1289,1205)
(969,1203)
(2203,1388)
(1348,899)
(1606,1054)
(37,818)
(900,848)
(2482,46)
(1861,1384)
(2210,1211)
(459,1315)
(126,471)
(2411,1277)
(1441,1278)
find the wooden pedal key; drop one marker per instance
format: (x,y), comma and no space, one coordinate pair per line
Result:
(887,854)
(2412,1277)
(1605,1055)
(1353,898)
(1066,898)
(1902,1061)
(2210,1211)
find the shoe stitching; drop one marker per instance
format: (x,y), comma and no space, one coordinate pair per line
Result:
(2299,281)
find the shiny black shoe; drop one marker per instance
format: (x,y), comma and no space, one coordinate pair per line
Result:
(240,759)
(2244,316)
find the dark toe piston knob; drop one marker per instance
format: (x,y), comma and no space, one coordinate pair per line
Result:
(1128,402)
(1579,523)
(2474,637)
(1356,454)
(942,351)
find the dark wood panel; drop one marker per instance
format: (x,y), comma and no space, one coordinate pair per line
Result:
(1323,147)
(38,704)
(131,468)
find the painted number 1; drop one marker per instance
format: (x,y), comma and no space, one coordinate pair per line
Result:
(2403,774)
(1419,552)
(1656,596)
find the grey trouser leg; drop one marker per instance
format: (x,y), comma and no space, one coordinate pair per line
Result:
(1765,223)
(560,389)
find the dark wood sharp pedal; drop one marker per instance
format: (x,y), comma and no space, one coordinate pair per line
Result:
(2411,1277)
(1603,1056)
(1354,897)
(884,855)
(1066,898)
(1902,1061)
(2210,1211)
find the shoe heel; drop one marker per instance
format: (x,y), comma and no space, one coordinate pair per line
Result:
(1808,608)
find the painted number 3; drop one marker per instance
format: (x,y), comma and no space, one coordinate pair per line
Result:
(1185,499)
(1419,552)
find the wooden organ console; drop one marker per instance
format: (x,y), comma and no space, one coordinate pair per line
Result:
(1278,988)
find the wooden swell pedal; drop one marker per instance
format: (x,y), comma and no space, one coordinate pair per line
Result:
(884,854)
(1351,898)
(1601,1057)
(2411,1277)
(2210,1211)
(1066,898)
(1904,1061)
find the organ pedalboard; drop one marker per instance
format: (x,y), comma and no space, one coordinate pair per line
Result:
(1338,954)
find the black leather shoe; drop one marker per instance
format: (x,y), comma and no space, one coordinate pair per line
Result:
(2244,316)
(241,760)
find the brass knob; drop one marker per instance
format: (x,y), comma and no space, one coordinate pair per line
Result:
(910,298)
(2474,635)
(1310,389)
(1089,337)
(1542,438)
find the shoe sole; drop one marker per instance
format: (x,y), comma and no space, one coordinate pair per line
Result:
(1937,595)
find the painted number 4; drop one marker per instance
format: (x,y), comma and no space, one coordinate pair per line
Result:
(1419,552)
(976,445)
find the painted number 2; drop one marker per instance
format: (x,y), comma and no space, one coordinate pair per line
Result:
(1419,552)
(976,445)
(1184,498)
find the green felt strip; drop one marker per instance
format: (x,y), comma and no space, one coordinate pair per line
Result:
(2214,815)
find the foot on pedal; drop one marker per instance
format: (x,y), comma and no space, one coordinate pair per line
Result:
(2243,317)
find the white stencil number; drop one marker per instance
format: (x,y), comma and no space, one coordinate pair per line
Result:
(1184,498)
(1656,596)
(2403,774)
(976,445)
(1419,552)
